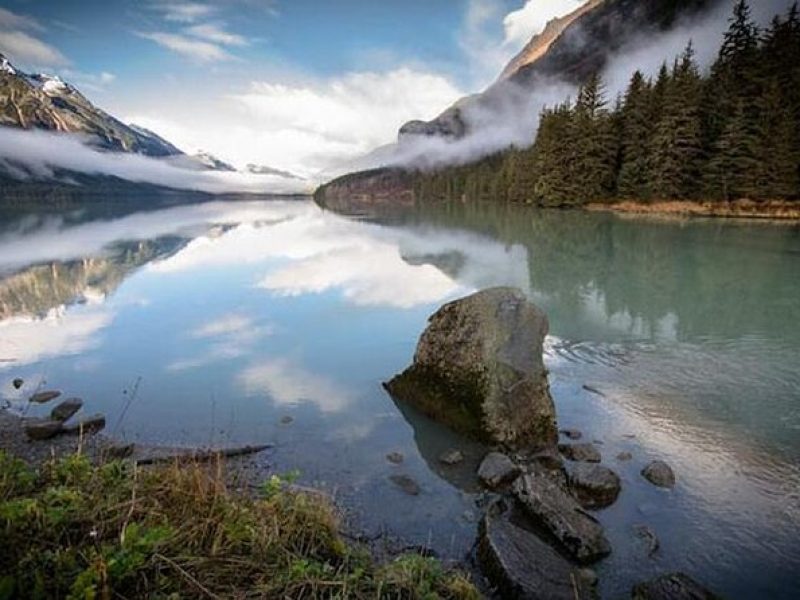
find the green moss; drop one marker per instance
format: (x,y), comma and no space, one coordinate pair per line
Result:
(456,403)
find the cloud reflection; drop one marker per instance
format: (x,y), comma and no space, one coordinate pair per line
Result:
(288,384)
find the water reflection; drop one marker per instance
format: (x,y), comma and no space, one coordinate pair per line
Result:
(236,315)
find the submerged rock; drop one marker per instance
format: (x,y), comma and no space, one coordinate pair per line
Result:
(395,458)
(659,473)
(478,368)
(624,456)
(580,452)
(523,567)
(87,426)
(17,383)
(452,457)
(66,409)
(406,483)
(673,586)
(649,536)
(594,486)
(42,429)
(552,507)
(43,397)
(497,469)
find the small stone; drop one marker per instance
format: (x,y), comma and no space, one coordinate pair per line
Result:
(572,434)
(17,383)
(580,452)
(406,483)
(673,586)
(452,457)
(66,409)
(497,469)
(649,537)
(659,473)
(624,456)
(395,458)
(594,486)
(119,451)
(42,429)
(87,426)
(286,420)
(42,397)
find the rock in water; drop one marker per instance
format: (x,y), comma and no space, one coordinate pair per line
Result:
(406,483)
(580,452)
(659,473)
(452,457)
(395,458)
(87,426)
(66,409)
(594,486)
(497,469)
(478,368)
(42,429)
(17,383)
(524,567)
(547,503)
(673,586)
(42,397)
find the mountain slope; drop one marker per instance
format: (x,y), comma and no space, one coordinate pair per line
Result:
(45,102)
(568,50)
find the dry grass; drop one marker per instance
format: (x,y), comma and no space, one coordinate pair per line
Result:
(76,530)
(770,209)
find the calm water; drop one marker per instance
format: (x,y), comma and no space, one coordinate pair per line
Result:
(221,319)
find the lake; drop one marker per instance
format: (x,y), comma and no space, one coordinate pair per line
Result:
(229,323)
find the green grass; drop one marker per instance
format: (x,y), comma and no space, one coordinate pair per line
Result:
(71,529)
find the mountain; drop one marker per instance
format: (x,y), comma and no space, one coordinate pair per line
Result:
(568,50)
(38,101)
(265,170)
(209,162)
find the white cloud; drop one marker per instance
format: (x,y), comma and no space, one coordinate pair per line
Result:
(43,151)
(198,50)
(183,12)
(303,127)
(521,25)
(10,20)
(216,34)
(21,46)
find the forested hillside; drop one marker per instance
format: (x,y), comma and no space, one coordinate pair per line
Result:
(729,134)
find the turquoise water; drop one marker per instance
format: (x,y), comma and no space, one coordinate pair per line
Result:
(211,323)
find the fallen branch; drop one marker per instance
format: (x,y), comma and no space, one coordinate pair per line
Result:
(203,455)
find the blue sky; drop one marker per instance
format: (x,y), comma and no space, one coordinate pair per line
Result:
(297,84)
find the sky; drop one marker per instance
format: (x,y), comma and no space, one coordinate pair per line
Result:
(301,85)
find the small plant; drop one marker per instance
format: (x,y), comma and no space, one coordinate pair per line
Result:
(80,531)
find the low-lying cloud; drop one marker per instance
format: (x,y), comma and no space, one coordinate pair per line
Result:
(44,154)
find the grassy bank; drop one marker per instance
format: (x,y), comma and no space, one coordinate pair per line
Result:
(777,209)
(71,529)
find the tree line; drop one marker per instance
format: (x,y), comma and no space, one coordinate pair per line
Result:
(730,133)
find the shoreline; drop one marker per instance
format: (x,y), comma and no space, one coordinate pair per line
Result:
(783,211)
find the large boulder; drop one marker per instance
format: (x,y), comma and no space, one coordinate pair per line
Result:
(660,474)
(478,368)
(524,567)
(550,506)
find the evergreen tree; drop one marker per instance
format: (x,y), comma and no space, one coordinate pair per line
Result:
(676,150)
(636,123)
(731,170)
(775,173)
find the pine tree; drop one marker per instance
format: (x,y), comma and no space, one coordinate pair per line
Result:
(775,173)
(676,150)
(730,172)
(636,127)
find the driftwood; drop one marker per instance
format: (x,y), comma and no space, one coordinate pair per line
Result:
(203,455)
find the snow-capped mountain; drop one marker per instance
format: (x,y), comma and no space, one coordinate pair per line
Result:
(265,170)
(39,101)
